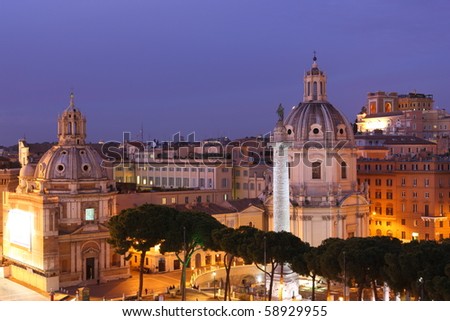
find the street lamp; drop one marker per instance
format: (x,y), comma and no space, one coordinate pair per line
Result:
(214,283)
(420,281)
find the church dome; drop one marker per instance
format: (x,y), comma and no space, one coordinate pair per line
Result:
(317,121)
(71,159)
(76,162)
(27,171)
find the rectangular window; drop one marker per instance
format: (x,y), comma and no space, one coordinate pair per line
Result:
(89,214)
(163,201)
(224,183)
(316,170)
(403,221)
(389,182)
(403,235)
(173,200)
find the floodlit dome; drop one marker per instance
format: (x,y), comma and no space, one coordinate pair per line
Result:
(317,121)
(71,163)
(71,159)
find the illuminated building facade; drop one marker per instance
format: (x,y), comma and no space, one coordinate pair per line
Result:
(410,196)
(325,199)
(55,233)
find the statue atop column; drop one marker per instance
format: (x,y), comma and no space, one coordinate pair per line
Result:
(280,112)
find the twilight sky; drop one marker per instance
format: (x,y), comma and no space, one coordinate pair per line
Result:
(213,67)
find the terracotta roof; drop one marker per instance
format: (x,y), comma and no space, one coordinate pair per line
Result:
(242,204)
(208,208)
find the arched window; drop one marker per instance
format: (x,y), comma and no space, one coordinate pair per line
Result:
(309,88)
(75,130)
(316,170)
(69,128)
(343,170)
(315,90)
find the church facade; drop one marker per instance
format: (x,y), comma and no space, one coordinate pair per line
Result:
(55,231)
(324,197)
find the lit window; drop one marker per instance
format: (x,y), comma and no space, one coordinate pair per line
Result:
(89,214)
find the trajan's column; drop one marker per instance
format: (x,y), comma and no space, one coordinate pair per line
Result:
(285,280)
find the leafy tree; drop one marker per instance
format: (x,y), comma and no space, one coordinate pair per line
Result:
(186,233)
(273,248)
(365,260)
(229,240)
(308,263)
(139,228)
(329,252)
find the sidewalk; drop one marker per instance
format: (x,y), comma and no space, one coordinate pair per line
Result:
(12,290)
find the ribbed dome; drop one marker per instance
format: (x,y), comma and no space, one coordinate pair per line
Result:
(317,121)
(27,171)
(71,163)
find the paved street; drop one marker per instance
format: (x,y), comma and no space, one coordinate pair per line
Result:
(156,283)
(12,291)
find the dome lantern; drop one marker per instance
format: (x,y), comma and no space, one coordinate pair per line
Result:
(71,125)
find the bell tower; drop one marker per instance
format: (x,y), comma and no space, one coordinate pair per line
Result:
(315,82)
(71,125)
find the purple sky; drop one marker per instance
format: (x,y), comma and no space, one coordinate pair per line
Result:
(219,68)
